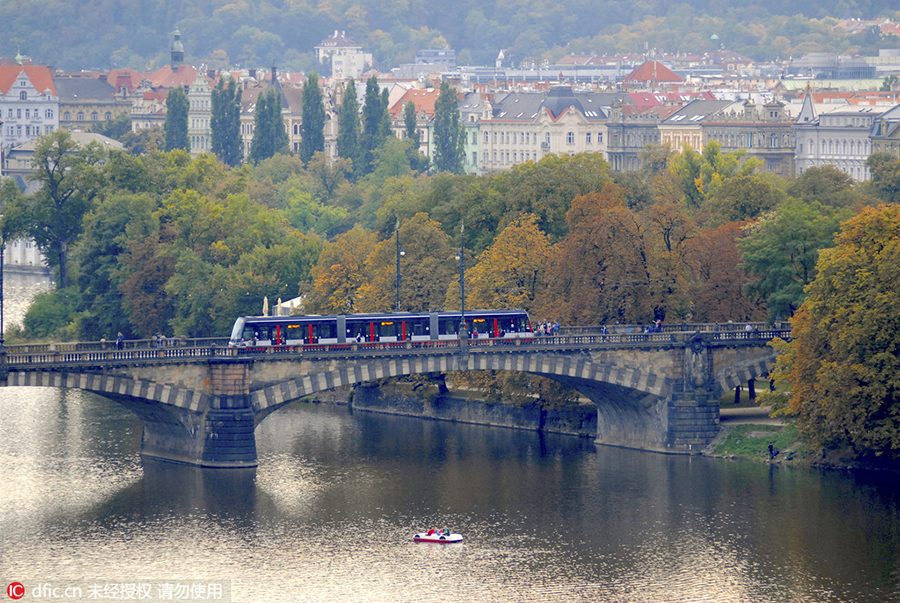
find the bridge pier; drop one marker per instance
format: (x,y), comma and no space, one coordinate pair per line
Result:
(220,435)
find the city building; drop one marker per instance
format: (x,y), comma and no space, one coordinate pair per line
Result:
(345,57)
(528,126)
(29,103)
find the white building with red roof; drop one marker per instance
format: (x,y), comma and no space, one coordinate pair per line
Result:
(29,104)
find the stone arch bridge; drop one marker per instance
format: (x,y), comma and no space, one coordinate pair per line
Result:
(200,403)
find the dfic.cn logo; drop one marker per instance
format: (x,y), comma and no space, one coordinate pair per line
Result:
(15,590)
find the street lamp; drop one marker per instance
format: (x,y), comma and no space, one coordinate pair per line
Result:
(461,257)
(400,252)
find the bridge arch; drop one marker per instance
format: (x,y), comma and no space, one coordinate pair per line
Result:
(580,373)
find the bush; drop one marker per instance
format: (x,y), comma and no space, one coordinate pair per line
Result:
(52,315)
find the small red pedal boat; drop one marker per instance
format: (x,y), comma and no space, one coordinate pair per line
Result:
(440,536)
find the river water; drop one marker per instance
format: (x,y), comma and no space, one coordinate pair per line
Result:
(330,512)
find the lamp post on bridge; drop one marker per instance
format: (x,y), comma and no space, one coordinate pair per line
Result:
(400,252)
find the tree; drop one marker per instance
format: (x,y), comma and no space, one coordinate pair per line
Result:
(449,138)
(225,122)
(115,128)
(348,143)
(718,283)
(742,197)
(781,252)
(845,363)
(68,181)
(506,275)
(313,135)
(373,133)
(427,269)
(340,272)
(98,268)
(417,161)
(598,273)
(827,185)
(885,183)
(269,135)
(144,141)
(177,107)
(410,123)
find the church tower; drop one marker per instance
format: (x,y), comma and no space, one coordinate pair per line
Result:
(177,51)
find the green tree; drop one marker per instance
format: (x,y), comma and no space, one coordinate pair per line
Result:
(313,135)
(373,133)
(885,183)
(348,139)
(225,122)
(68,179)
(781,252)
(844,366)
(410,123)
(827,185)
(449,138)
(269,135)
(98,268)
(417,161)
(144,141)
(742,197)
(176,127)
(115,128)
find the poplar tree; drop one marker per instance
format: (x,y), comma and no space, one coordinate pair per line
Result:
(410,122)
(449,139)
(373,132)
(176,126)
(269,135)
(313,132)
(348,128)
(225,123)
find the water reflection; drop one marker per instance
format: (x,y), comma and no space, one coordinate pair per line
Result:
(331,509)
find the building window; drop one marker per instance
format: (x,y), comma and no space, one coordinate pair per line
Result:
(486,140)
(93,116)
(23,94)
(587,138)
(108,116)
(570,137)
(80,116)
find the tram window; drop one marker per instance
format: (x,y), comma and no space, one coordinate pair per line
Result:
(418,329)
(387,329)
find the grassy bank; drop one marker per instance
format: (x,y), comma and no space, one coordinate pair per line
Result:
(751,441)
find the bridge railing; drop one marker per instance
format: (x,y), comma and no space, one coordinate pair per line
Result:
(101,353)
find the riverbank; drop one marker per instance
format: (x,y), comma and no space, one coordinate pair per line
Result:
(746,433)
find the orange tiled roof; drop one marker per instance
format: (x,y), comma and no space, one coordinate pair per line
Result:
(40,77)
(423,100)
(653,71)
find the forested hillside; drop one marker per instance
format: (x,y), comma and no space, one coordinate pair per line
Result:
(100,34)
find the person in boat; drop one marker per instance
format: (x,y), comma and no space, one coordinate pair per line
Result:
(432,532)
